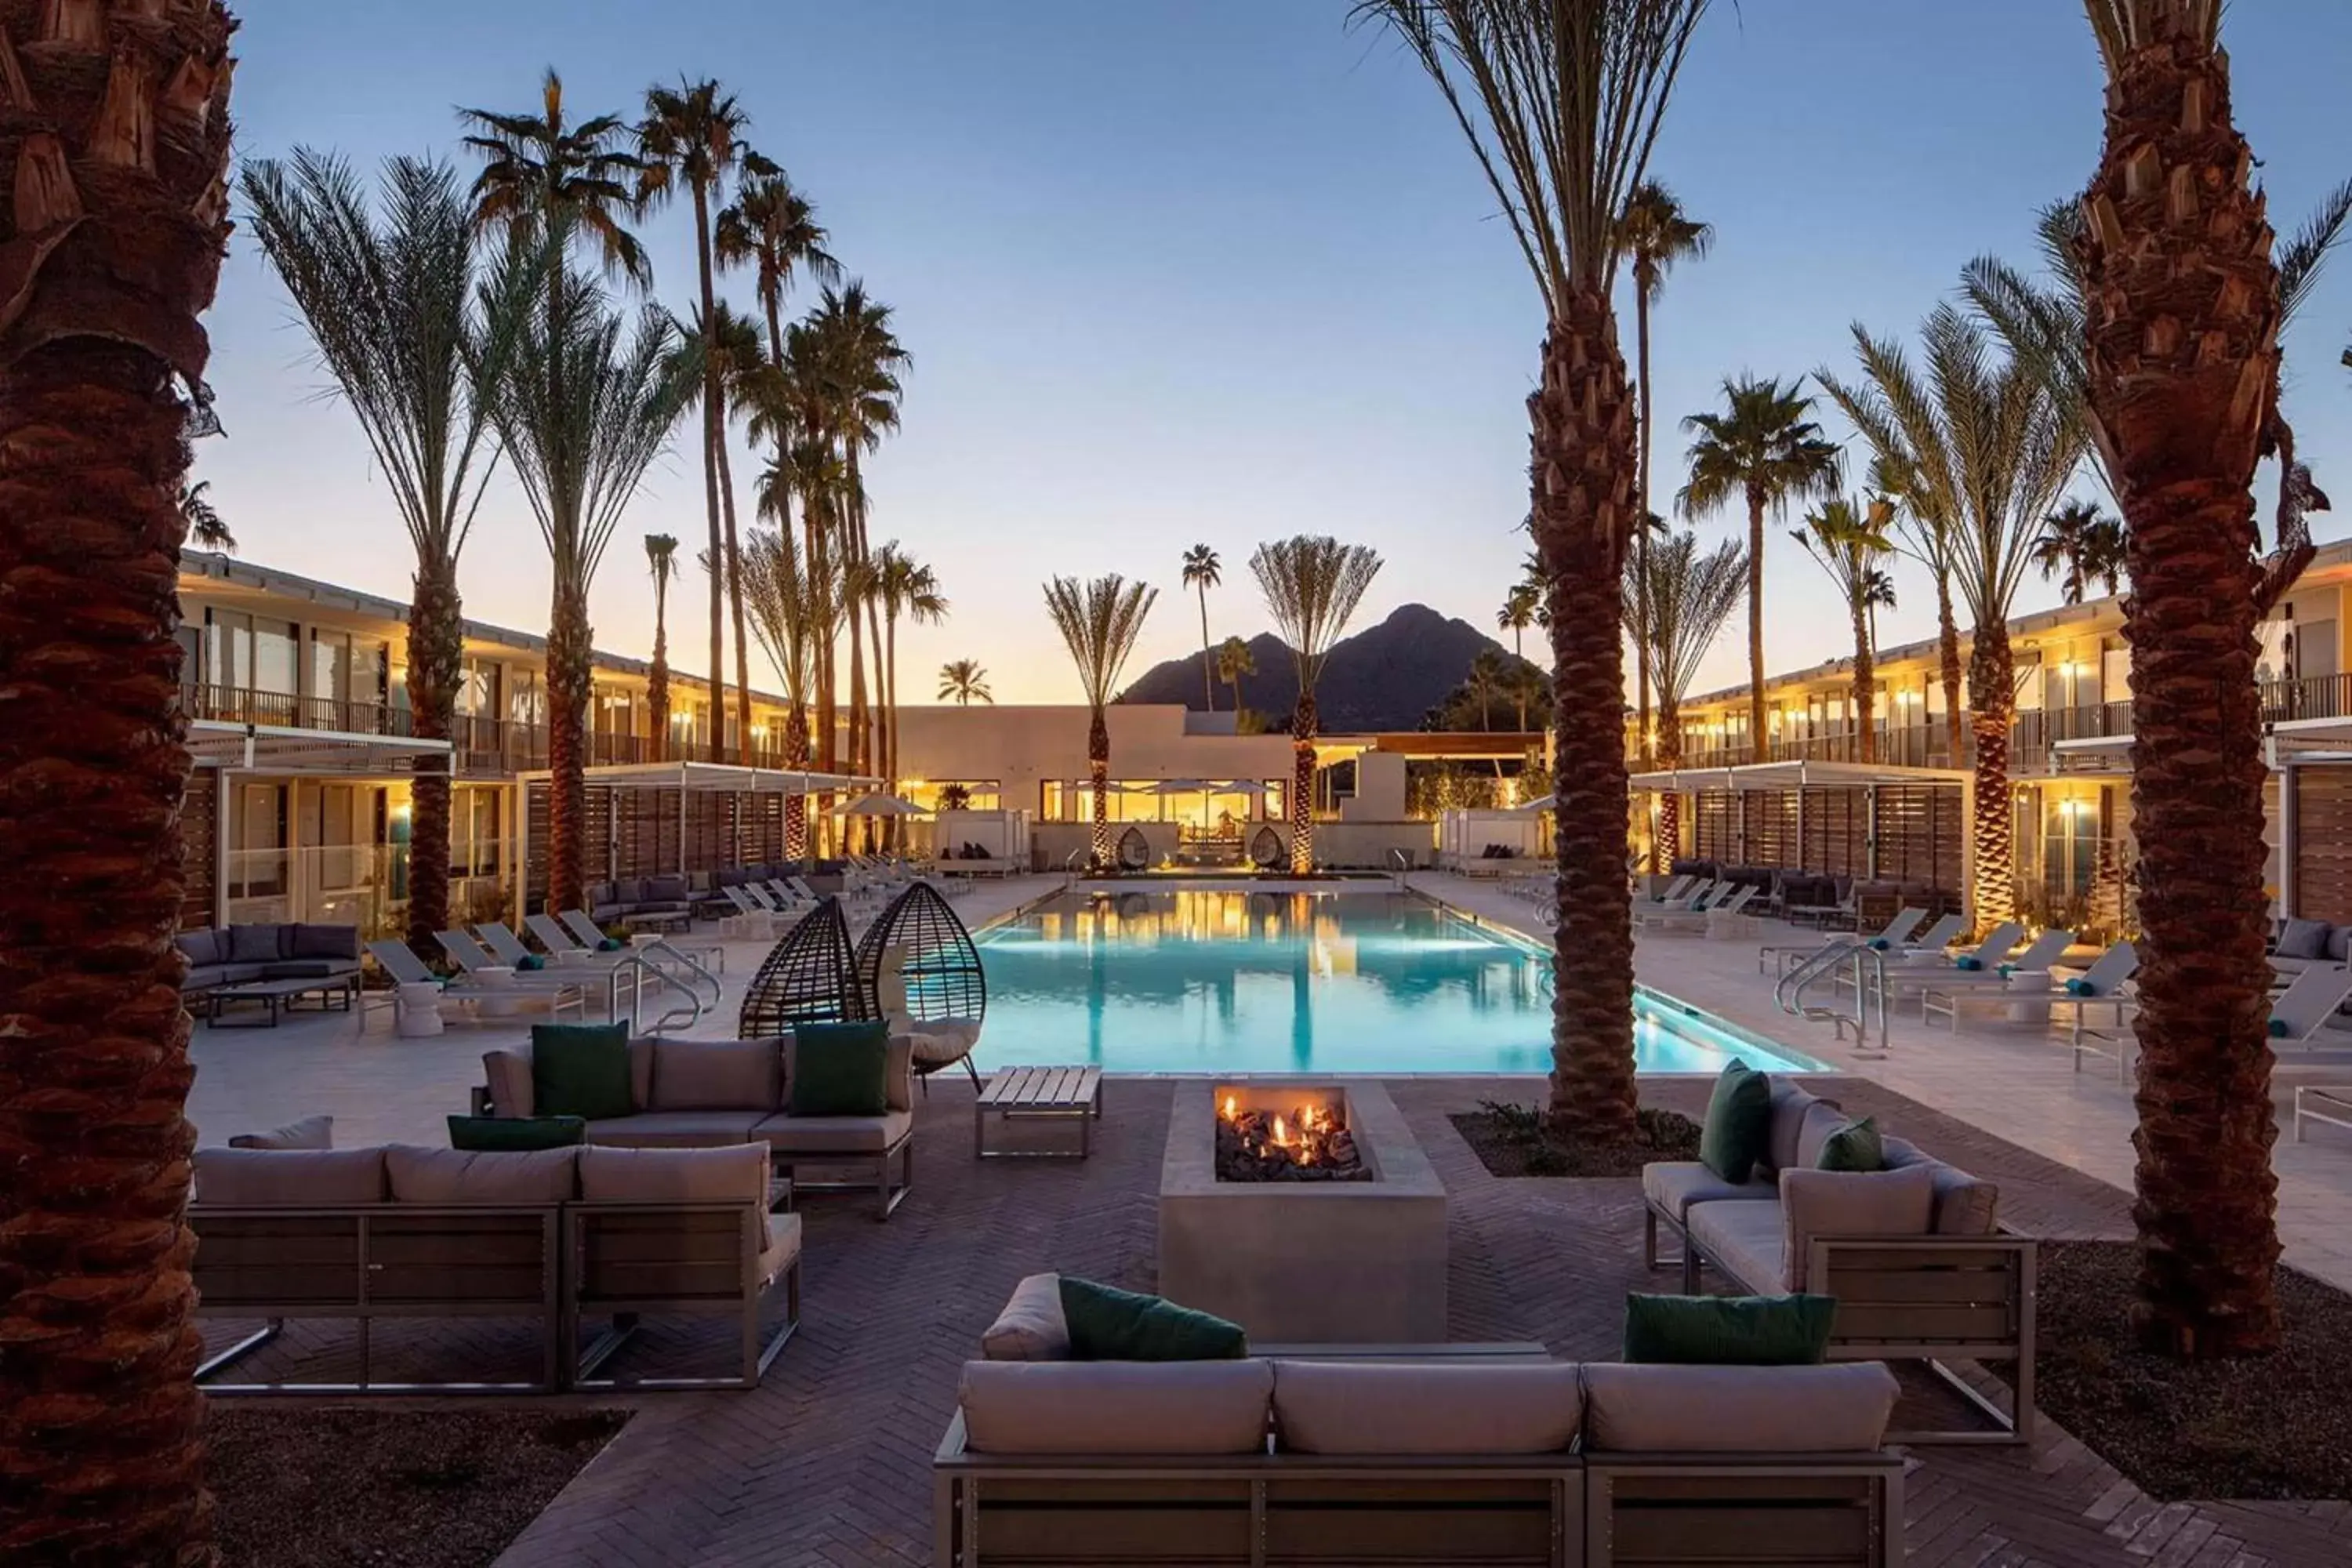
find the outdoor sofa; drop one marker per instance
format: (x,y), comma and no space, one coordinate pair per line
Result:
(639,898)
(1443,1459)
(1916,1258)
(553,1236)
(692,1094)
(235,956)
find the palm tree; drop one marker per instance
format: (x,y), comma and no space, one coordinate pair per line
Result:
(1518,613)
(1588,82)
(904,587)
(1656,235)
(1234,661)
(1689,598)
(1849,541)
(1489,678)
(772,229)
(1312,584)
(661,555)
(414,335)
(1925,525)
(579,463)
(963,682)
(731,344)
(862,359)
(793,609)
(2083,545)
(205,526)
(1988,447)
(1764,448)
(117,137)
(2180,370)
(1201,573)
(1099,622)
(691,136)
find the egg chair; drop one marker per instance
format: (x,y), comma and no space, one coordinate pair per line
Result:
(1266,850)
(1134,851)
(810,977)
(923,972)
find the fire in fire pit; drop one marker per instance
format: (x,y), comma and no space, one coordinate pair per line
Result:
(1307,1142)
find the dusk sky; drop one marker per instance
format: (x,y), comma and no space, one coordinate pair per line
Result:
(1222,270)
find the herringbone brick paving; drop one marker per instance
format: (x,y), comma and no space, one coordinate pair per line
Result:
(828,1462)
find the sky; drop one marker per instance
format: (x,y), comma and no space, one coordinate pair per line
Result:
(1179,271)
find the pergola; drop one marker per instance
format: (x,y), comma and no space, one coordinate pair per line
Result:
(271,748)
(1794,777)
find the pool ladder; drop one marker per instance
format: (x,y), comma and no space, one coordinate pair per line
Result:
(678,973)
(1869,987)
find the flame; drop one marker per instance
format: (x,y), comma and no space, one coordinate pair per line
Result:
(1281,1134)
(1232,1110)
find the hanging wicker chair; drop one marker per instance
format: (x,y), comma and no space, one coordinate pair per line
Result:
(810,977)
(1266,850)
(1134,850)
(923,971)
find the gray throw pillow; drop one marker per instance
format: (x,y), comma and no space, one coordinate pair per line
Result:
(2339,944)
(255,945)
(2303,939)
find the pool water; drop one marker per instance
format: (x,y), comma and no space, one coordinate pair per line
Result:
(1232,982)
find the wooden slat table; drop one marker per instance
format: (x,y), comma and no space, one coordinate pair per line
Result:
(1038,1094)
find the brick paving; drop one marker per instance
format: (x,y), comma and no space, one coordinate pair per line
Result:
(828,1462)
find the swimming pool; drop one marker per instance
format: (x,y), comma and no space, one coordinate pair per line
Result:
(1217,982)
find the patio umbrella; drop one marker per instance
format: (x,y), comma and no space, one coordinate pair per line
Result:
(1201,787)
(881,805)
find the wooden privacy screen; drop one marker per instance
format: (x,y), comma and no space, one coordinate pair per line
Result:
(2323,846)
(635,833)
(200,848)
(1920,831)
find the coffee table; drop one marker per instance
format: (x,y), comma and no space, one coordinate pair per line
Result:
(1038,1094)
(276,996)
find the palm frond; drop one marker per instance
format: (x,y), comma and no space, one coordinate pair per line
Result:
(1689,598)
(1312,584)
(794,608)
(1100,621)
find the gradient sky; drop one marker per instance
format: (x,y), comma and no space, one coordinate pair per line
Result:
(1221,271)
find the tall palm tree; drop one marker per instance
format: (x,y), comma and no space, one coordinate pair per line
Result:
(1488,679)
(963,682)
(1849,541)
(793,608)
(905,587)
(1312,586)
(414,335)
(1656,235)
(579,463)
(1518,613)
(115,145)
(661,555)
(1924,528)
(1989,446)
(1100,621)
(1688,598)
(2081,545)
(1588,82)
(1202,572)
(205,525)
(730,344)
(1763,448)
(691,135)
(772,229)
(2180,371)
(1234,661)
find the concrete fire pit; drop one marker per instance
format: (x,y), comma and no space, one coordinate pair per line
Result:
(1305,1262)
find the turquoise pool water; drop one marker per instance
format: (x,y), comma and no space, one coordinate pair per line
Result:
(1204,981)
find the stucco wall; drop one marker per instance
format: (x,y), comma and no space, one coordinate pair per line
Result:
(1023,747)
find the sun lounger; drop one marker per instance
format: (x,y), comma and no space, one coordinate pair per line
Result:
(1892,938)
(2105,983)
(1695,919)
(2298,1014)
(1943,992)
(561,945)
(577,922)
(400,963)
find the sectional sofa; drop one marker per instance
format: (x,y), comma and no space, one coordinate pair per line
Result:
(1916,1253)
(233,955)
(1329,1461)
(691,1094)
(643,897)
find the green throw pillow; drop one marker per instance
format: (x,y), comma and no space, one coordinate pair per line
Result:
(1856,1146)
(1728,1331)
(1739,1131)
(841,1069)
(509,1133)
(581,1069)
(1111,1324)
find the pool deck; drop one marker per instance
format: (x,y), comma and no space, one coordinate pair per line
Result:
(828,1462)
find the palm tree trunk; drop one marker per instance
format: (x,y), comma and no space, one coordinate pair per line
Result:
(569,677)
(1864,681)
(99,1415)
(1099,775)
(735,600)
(1668,845)
(713,454)
(1642,530)
(2182,344)
(1208,673)
(435,665)
(1993,688)
(658,682)
(1304,723)
(797,755)
(1582,483)
(1757,748)
(1948,646)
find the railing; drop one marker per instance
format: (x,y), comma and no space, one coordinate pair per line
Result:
(240,705)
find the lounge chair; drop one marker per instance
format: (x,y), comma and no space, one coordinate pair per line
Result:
(2105,983)
(1892,938)
(400,963)
(561,945)
(1694,898)
(2298,1014)
(1942,992)
(577,922)
(1697,917)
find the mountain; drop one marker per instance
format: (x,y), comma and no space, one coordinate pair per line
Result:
(1384,677)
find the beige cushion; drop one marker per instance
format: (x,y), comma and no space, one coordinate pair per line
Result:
(715,1075)
(835,1134)
(419,1176)
(1791,1101)
(641,1071)
(1030,1327)
(675,1176)
(675,1130)
(507,1075)
(288,1178)
(310,1132)
(1674,1185)
(1848,1202)
(941,1042)
(1094,1407)
(1426,1407)
(1840,1407)
(1965,1204)
(784,1245)
(1747,1239)
(898,1074)
(1821,1118)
